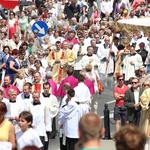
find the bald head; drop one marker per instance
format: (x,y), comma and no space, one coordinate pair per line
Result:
(66,87)
(65,45)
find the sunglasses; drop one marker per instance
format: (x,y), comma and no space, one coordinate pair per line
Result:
(140,71)
(121,79)
(146,85)
(134,82)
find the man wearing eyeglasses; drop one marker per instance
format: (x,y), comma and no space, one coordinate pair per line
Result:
(120,111)
(132,101)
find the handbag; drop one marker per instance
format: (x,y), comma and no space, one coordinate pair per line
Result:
(100,86)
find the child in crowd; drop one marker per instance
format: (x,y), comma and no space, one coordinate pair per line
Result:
(27,136)
(29,77)
(19,80)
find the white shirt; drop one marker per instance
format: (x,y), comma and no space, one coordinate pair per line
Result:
(20,83)
(128,69)
(69,117)
(13,45)
(93,77)
(52,103)
(102,53)
(82,93)
(6,101)
(136,96)
(78,59)
(106,7)
(30,137)
(24,102)
(39,113)
(86,60)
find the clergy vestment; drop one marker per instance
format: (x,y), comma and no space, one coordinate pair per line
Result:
(73,82)
(86,60)
(83,96)
(15,110)
(128,69)
(37,87)
(24,101)
(6,89)
(51,102)
(61,129)
(38,112)
(78,57)
(57,68)
(69,116)
(120,57)
(103,53)
(70,57)
(82,93)
(53,87)
(145,117)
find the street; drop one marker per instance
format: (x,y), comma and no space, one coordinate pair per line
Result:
(106,144)
(105,97)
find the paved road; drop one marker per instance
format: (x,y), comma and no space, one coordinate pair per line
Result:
(105,97)
(105,144)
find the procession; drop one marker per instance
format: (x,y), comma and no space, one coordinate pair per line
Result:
(60,60)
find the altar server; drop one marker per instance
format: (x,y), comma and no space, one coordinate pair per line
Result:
(25,98)
(41,117)
(69,117)
(50,101)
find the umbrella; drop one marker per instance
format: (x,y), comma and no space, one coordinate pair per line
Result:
(26,3)
(134,25)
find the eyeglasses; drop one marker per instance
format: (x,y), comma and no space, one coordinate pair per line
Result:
(134,82)
(121,79)
(140,71)
(146,85)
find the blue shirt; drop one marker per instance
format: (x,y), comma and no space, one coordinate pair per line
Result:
(16,66)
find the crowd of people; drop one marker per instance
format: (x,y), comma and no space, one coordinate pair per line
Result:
(55,79)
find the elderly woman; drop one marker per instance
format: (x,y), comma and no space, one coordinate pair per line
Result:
(143,76)
(12,67)
(7,130)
